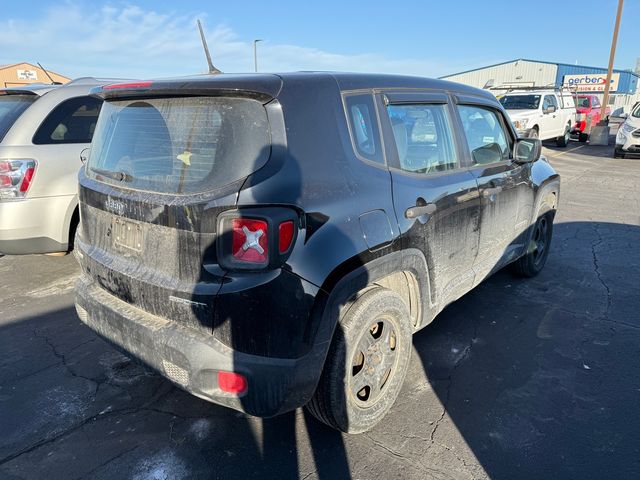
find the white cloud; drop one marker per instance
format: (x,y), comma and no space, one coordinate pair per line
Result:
(127,41)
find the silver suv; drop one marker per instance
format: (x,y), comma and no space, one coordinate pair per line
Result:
(43,130)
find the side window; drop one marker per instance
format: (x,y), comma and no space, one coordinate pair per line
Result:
(487,139)
(73,121)
(549,101)
(423,138)
(364,127)
(595,102)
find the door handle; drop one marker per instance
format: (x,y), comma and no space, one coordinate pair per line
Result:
(487,192)
(418,211)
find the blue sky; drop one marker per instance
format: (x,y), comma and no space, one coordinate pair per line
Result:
(145,39)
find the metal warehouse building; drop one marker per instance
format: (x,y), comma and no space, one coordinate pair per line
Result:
(532,73)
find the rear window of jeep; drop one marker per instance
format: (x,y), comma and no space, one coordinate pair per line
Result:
(179,145)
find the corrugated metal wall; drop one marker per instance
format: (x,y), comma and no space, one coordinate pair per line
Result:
(628,81)
(523,72)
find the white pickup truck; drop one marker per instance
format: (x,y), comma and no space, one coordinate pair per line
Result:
(545,114)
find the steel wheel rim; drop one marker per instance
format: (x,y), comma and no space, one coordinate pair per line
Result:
(373,362)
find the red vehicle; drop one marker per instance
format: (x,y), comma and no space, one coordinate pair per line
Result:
(589,113)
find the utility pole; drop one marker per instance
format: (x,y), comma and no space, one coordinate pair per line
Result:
(600,133)
(255,54)
(612,55)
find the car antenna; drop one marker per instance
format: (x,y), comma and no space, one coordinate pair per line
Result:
(53,82)
(212,69)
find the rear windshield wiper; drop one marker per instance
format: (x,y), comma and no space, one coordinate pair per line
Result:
(119,176)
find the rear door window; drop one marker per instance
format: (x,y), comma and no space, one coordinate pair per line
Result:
(11,107)
(423,138)
(179,145)
(486,135)
(73,121)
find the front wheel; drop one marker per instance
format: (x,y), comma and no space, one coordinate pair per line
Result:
(583,137)
(532,263)
(618,154)
(367,363)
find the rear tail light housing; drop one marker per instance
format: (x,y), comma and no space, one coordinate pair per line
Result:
(16,177)
(257,238)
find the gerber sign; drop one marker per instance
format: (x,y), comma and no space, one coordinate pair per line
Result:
(591,82)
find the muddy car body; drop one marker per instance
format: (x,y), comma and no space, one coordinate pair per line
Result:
(241,240)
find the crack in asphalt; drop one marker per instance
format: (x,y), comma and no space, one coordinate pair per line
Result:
(105,463)
(596,267)
(155,397)
(449,379)
(63,359)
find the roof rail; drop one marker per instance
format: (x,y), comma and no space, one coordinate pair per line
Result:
(512,88)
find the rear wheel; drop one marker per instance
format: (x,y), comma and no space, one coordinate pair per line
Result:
(367,363)
(583,137)
(532,263)
(563,141)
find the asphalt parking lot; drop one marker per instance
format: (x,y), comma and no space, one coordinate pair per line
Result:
(520,379)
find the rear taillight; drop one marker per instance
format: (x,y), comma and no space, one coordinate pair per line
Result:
(250,242)
(285,236)
(16,177)
(256,238)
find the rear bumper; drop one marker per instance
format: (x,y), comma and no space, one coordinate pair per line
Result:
(35,225)
(191,359)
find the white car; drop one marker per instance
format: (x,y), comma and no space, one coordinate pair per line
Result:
(544,114)
(43,129)
(628,137)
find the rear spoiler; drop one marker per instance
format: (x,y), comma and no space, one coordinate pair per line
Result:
(8,91)
(263,88)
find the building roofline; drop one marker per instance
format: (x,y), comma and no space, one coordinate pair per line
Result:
(615,70)
(9,65)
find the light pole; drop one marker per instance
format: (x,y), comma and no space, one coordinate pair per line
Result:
(255,53)
(600,133)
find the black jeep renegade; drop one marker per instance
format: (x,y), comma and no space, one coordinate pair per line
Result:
(270,241)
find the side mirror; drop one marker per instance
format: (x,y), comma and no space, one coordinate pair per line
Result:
(527,150)
(84,155)
(550,109)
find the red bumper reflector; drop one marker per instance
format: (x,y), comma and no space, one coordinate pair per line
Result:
(231,382)
(26,181)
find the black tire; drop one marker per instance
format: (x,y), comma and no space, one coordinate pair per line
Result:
(563,141)
(371,348)
(532,263)
(583,137)
(618,154)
